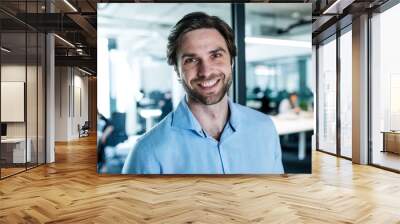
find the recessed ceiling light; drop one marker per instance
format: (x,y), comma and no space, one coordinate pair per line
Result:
(64,40)
(84,71)
(5,50)
(70,5)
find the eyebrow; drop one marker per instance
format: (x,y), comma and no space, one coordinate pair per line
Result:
(219,49)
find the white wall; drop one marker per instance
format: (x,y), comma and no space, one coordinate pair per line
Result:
(33,126)
(12,73)
(71,86)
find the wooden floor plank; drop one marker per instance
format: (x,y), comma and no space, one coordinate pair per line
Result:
(70,191)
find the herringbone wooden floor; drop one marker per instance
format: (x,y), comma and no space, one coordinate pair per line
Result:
(70,191)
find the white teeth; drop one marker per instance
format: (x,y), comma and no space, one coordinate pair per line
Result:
(208,83)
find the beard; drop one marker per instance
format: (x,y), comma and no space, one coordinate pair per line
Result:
(209,99)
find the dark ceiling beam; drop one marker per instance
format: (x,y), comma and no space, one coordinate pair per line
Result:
(84,24)
(16,18)
(82,61)
(91,5)
(322,23)
(49,22)
(86,27)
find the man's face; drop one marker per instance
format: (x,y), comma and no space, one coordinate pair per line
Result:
(204,65)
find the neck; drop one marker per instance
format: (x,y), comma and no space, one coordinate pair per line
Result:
(212,118)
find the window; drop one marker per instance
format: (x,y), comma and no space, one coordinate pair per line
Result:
(346,94)
(385,85)
(327,96)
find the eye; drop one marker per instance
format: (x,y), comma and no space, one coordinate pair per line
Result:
(216,55)
(190,61)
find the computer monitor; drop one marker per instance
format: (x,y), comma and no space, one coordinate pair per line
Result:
(3,129)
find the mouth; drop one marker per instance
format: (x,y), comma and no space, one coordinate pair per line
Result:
(208,84)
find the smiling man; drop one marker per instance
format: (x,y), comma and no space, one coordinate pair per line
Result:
(207,133)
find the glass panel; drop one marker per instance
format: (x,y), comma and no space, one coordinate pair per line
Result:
(141,88)
(385,85)
(31,98)
(327,96)
(278,59)
(41,99)
(13,87)
(31,86)
(346,94)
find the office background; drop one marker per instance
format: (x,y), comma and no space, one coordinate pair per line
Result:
(22,77)
(137,88)
(340,189)
(377,92)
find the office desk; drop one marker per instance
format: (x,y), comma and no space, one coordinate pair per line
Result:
(149,115)
(290,124)
(13,150)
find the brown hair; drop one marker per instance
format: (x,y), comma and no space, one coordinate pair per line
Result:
(194,21)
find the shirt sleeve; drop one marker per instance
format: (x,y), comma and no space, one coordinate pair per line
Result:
(141,160)
(278,166)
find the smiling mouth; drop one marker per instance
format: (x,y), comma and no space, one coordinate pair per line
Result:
(209,83)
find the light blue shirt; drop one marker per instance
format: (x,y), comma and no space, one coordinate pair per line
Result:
(249,144)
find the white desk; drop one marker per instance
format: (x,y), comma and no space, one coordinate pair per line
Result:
(149,115)
(18,150)
(291,123)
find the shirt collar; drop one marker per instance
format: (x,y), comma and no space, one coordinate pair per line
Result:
(184,118)
(234,116)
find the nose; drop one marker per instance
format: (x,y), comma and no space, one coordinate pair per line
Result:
(205,68)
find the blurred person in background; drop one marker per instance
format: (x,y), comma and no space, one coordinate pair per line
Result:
(290,105)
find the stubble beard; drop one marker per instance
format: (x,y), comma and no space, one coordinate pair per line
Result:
(211,99)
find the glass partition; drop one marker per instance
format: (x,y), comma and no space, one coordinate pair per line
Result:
(346,94)
(327,96)
(13,110)
(385,89)
(22,88)
(41,109)
(31,97)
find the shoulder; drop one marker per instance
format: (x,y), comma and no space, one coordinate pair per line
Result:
(143,158)
(155,136)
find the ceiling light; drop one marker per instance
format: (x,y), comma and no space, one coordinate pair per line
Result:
(65,41)
(84,71)
(5,50)
(278,42)
(338,6)
(70,5)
